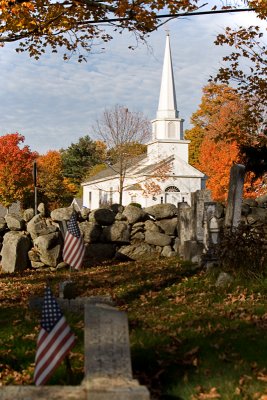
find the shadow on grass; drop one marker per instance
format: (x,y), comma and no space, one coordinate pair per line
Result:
(173,370)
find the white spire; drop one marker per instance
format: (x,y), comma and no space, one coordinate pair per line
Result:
(167,107)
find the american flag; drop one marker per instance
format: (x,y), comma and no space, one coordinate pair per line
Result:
(74,248)
(54,341)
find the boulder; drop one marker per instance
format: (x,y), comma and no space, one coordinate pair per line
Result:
(15,222)
(15,251)
(37,226)
(41,209)
(91,231)
(3,224)
(257,214)
(37,264)
(262,200)
(134,214)
(117,232)
(61,214)
(152,226)
(136,251)
(62,265)
(102,216)
(120,217)
(168,226)
(157,239)
(28,214)
(50,248)
(167,251)
(137,236)
(34,255)
(161,211)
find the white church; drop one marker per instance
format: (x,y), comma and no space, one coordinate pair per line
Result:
(164,169)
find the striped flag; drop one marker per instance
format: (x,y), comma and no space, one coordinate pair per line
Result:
(54,341)
(74,248)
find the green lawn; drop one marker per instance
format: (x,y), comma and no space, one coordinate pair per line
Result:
(189,339)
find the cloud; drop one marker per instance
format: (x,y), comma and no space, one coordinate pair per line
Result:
(53,103)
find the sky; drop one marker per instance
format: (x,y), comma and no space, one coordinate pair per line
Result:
(53,103)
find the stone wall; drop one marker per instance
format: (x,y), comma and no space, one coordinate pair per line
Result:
(36,241)
(123,233)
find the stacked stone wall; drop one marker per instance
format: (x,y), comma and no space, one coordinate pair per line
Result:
(123,233)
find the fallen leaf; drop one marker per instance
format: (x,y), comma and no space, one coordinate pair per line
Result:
(192,352)
(262,378)
(213,394)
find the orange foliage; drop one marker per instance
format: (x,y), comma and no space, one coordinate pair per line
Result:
(54,188)
(215,161)
(16,166)
(160,174)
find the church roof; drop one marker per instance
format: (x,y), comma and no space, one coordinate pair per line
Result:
(113,170)
(137,166)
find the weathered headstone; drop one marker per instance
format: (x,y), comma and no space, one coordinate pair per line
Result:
(107,347)
(234,200)
(108,370)
(198,199)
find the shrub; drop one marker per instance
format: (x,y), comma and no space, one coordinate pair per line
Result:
(135,205)
(243,250)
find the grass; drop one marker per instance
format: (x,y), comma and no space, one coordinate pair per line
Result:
(189,339)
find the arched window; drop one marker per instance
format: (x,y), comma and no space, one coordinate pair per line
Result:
(171,189)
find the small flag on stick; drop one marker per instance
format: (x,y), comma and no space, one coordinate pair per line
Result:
(74,249)
(54,342)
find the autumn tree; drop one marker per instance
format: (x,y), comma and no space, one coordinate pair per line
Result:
(16,167)
(215,160)
(222,127)
(79,157)
(221,115)
(246,68)
(75,25)
(53,188)
(123,131)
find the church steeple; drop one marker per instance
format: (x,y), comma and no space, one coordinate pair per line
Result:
(167,128)
(167,107)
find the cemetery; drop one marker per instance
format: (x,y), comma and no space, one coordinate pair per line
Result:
(138,335)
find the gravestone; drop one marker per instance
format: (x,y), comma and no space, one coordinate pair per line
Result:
(234,200)
(108,370)
(107,347)
(198,199)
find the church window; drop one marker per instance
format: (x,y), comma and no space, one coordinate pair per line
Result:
(133,198)
(171,130)
(161,200)
(111,195)
(172,189)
